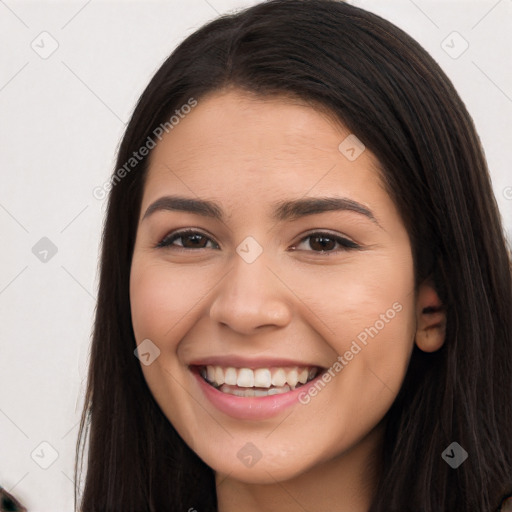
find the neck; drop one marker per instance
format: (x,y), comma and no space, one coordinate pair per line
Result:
(344,483)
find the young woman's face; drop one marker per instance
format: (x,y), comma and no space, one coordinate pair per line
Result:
(264,295)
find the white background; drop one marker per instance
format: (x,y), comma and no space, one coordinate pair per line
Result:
(61,121)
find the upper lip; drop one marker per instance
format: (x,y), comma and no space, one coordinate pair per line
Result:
(252,363)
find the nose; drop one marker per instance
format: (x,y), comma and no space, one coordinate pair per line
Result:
(250,297)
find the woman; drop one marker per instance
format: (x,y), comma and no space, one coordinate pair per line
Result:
(305,292)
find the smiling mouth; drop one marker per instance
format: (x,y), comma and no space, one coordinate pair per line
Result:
(258,382)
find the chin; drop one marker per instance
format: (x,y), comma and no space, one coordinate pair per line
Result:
(268,469)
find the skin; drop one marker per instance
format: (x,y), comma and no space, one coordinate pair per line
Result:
(246,152)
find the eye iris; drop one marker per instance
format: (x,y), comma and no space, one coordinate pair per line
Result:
(194,236)
(323,242)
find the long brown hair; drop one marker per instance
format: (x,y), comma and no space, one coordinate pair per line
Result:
(387,90)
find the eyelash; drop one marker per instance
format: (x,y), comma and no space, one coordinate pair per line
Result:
(347,245)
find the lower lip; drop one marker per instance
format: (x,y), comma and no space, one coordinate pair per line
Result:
(252,408)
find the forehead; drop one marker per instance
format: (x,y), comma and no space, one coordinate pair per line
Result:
(243,147)
(242,122)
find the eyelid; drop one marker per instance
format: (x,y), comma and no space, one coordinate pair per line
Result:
(332,234)
(174,235)
(346,242)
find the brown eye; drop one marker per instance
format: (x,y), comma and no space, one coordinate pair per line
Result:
(326,242)
(190,239)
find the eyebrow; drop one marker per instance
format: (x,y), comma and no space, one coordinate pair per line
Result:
(282,210)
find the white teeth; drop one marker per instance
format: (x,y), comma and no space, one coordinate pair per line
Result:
(251,392)
(278,377)
(303,376)
(219,375)
(292,378)
(230,376)
(263,378)
(245,378)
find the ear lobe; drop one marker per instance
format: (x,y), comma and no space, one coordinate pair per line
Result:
(430,318)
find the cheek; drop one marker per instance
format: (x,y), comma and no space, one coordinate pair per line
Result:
(160,299)
(369,315)
(379,325)
(149,298)
(362,300)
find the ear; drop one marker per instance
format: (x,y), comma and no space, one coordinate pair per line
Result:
(430,318)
